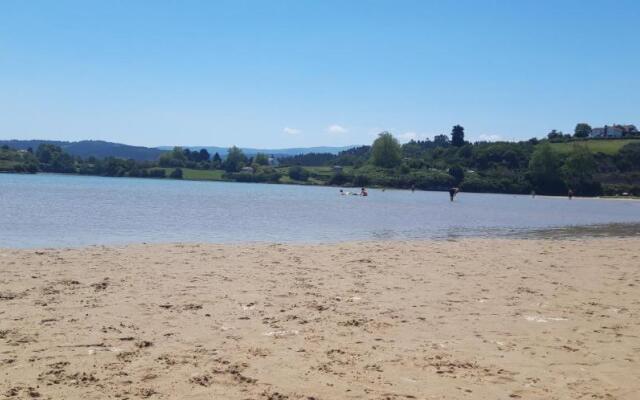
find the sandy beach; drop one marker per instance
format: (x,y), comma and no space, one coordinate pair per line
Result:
(468,319)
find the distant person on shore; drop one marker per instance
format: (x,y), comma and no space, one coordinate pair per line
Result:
(533,194)
(363,192)
(453,192)
(570,194)
(413,188)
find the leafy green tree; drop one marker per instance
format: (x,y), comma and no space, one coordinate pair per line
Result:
(578,170)
(235,160)
(582,130)
(261,159)
(544,170)
(554,135)
(628,158)
(457,136)
(298,173)
(47,152)
(457,173)
(441,140)
(177,157)
(204,155)
(157,173)
(339,179)
(579,165)
(179,153)
(176,173)
(386,151)
(216,161)
(63,162)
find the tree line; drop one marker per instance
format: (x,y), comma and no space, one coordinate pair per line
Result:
(501,167)
(431,164)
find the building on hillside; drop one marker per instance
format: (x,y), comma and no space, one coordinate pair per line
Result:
(247,170)
(607,132)
(628,129)
(273,161)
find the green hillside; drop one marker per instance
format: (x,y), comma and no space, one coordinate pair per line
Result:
(606,146)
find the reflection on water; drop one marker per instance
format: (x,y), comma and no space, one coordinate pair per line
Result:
(61,210)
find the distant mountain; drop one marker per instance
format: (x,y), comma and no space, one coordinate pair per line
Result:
(92,148)
(275,152)
(102,149)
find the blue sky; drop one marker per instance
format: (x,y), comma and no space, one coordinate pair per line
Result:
(304,73)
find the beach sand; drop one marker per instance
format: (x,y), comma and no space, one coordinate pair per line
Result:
(467,319)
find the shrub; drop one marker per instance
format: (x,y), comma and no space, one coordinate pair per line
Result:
(298,173)
(176,173)
(339,179)
(361,180)
(157,173)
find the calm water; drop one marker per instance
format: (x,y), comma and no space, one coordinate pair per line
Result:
(62,210)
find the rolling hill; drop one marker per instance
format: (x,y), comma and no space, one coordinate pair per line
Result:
(102,149)
(606,146)
(275,152)
(91,148)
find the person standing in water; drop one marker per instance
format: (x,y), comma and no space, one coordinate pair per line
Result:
(452,192)
(570,194)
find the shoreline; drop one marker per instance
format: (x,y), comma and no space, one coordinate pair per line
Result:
(449,319)
(567,233)
(294,183)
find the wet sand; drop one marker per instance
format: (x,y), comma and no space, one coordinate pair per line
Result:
(468,319)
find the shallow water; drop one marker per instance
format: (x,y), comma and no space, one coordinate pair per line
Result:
(48,210)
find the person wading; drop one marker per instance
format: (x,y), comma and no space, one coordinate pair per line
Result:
(453,192)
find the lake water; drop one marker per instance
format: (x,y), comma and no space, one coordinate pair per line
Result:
(47,210)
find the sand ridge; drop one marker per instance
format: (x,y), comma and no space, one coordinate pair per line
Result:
(467,319)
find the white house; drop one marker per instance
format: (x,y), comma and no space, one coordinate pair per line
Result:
(274,162)
(606,132)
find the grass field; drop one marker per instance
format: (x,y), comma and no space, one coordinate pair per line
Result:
(202,175)
(6,165)
(606,146)
(198,174)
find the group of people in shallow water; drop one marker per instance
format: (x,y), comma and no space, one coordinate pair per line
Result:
(452,192)
(569,194)
(363,192)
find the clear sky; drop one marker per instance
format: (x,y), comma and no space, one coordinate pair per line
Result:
(304,73)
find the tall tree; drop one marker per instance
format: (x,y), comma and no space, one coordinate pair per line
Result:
(386,151)
(554,134)
(204,155)
(216,161)
(628,158)
(235,160)
(441,140)
(578,170)
(457,136)
(579,166)
(261,159)
(582,130)
(544,170)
